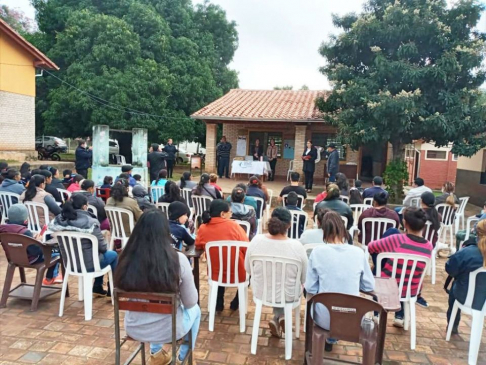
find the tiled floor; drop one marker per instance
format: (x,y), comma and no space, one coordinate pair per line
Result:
(44,338)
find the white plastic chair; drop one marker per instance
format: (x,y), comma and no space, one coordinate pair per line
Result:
(6,201)
(414,202)
(314,205)
(156,192)
(469,225)
(65,195)
(378,227)
(92,209)
(293,231)
(259,213)
(460,212)
(275,272)
(186,194)
(73,256)
(115,216)
(232,248)
(269,204)
(357,210)
(120,160)
(35,212)
(429,233)
(448,213)
(477,316)
(164,207)
(409,301)
(291,169)
(368,201)
(300,201)
(200,204)
(344,198)
(245,225)
(308,250)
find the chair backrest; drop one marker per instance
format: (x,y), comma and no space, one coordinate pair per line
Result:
(358,209)
(297,217)
(6,201)
(229,255)
(92,209)
(15,247)
(270,266)
(344,198)
(36,211)
(448,213)
(346,314)
(310,246)
(429,232)
(300,200)
(415,202)
(103,193)
(187,194)
(115,216)
(156,192)
(345,221)
(291,165)
(201,203)
(377,226)
(164,207)
(120,160)
(73,253)
(368,201)
(259,211)
(245,225)
(462,205)
(471,290)
(400,261)
(65,195)
(270,197)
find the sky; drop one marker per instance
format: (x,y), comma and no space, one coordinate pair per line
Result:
(278,39)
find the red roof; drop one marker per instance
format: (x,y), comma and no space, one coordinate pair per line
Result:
(264,105)
(40,59)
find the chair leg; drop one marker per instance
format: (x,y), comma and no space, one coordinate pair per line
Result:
(455,307)
(88,297)
(7,285)
(80,288)
(297,321)
(110,278)
(413,326)
(242,309)
(406,315)
(476,332)
(37,288)
(142,352)
(432,266)
(256,327)
(288,332)
(318,343)
(63,293)
(212,305)
(22,275)
(305,315)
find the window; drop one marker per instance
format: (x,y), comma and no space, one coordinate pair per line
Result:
(436,155)
(265,138)
(324,139)
(454,157)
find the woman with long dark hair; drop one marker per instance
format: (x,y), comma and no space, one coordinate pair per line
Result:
(172,193)
(161,178)
(35,192)
(25,173)
(342,183)
(309,156)
(427,201)
(150,264)
(76,218)
(204,188)
(119,198)
(186,181)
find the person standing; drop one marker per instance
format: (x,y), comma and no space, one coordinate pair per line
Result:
(332,162)
(272,157)
(223,151)
(309,156)
(156,158)
(171,151)
(84,155)
(257,150)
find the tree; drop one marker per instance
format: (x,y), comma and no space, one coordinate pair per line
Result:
(17,19)
(407,70)
(283,87)
(132,64)
(304,87)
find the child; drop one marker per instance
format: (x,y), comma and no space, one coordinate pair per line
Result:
(68,177)
(178,216)
(107,182)
(138,179)
(76,184)
(355,196)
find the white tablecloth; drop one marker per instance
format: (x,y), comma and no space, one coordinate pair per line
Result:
(250,167)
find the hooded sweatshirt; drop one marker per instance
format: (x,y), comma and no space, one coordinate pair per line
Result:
(96,202)
(12,186)
(382,212)
(243,213)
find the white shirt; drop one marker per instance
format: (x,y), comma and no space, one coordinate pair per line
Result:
(415,193)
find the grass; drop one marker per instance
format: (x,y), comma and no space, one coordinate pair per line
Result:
(67,157)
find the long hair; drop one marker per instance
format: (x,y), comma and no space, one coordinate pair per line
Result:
(204,180)
(355,196)
(34,182)
(148,262)
(481,232)
(333,228)
(185,177)
(119,190)
(342,181)
(431,212)
(162,175)
(216,207)
(173,193)
(333,192)
(108,180)
(77,201)
(24,169)
(449,188)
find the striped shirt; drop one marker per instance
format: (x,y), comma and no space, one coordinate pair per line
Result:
(406,244)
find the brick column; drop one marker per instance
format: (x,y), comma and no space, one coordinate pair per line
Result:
(211,135)
(300,144)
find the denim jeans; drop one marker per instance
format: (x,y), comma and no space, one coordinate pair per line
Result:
(332,178)
(53,271)
(109,258)
(400,216)
(452,299)
(191,320)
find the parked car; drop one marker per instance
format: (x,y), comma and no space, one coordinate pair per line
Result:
(51,141)
(114,147)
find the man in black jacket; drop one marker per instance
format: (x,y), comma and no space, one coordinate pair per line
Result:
(171,151)
(223,151)
(332,162)
(83,158)
(156,159)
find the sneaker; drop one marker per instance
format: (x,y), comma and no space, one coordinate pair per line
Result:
(58,279)
(281,324)
(108,291)
(160,358)
(99,291)
(47,281)
(398,322)
(274,329)
(422,302)
(328,347)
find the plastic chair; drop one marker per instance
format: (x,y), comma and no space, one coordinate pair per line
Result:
(297,217)
(15,247)
(269,204)
(65,195)
(477,316)
(378,227)
(344,198)
(38,216)
(409,261)
(156,192)
(314,205)
(187,194)
(414,202)
(200,204)
(348,323)
(357,210)
(71,247)
(164,207)
(103,193)
(245,225)
(120,160)
(429,233)
(460,212)
(469,225)
(6,201)
(259,213)
(228,254)
(368,201)
(290,170)
(157,303)
(270,266)
(300,200)
(115,216)
(448,213)
(92,209)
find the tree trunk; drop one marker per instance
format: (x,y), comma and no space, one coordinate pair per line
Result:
(399,171)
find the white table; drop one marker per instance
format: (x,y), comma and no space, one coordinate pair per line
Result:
(250,167)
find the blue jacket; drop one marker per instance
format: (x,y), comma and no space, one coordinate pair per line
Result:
(459,266)
(12,186)
(180,234)
(171,151)
(370,192)
(333,162)
(83,158)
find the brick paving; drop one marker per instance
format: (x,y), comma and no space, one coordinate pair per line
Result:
(44,338)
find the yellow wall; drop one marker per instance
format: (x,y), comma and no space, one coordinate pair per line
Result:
(17,71)
(474,163)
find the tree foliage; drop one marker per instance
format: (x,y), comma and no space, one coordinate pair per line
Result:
(17,19)
(404,70)
(159,57)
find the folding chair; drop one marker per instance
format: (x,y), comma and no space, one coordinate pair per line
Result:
(470,222)
(368,201)
(259,213)
(344,198)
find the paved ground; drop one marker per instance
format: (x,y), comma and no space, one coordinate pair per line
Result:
(44,338)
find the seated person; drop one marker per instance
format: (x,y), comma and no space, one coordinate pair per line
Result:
(49,187)
(379,210)
(342,183)
(161,179)
(172,194)
(75,185)
(186,181)
(336,267)
(418,188)
(11,183)
(68,176)
(88,190)
(276,242)
(255,189)
(355,196)
(448,196)
(119,198)
(213,180)
(470,258)
(178,216)
(315,235)
(248,199)
(461,235)
(149,250)
(410,243)
(242,212)
(427,203)
(294,186)
(141,195)
(127,169)
(17,223)
(56,182)
(107,182)
(292,201)
(204,188)
(332,202)
(138,179)
(376,188)
(358,185)
(321,196)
